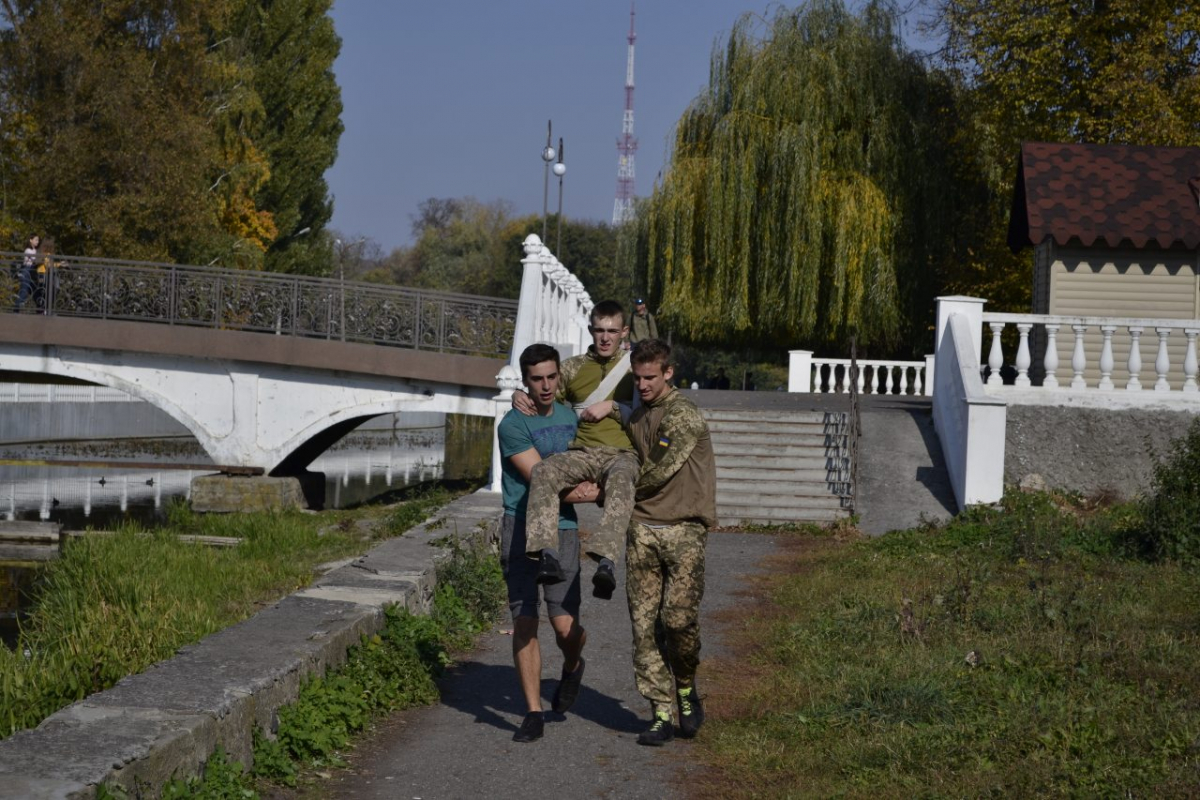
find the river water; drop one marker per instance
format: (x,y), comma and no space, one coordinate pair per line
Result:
(396,451)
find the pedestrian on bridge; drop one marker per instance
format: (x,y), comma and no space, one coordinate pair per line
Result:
(524,442)
(25,274)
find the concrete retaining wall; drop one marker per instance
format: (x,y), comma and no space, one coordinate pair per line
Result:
(1088,450)
(168,720)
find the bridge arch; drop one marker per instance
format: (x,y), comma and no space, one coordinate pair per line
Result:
(251,400)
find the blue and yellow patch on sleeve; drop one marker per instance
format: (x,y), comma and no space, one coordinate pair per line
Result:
(663,441)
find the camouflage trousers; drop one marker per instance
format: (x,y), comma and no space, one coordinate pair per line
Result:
(665,582)
(616,470)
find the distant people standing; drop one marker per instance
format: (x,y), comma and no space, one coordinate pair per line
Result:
(25,275)
(641,325)
(45,274)
(722,380)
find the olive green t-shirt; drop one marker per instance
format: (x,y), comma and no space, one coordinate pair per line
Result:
(580,376)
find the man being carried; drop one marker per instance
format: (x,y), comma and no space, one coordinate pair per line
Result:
(524,441)
(600,453)
(676,504)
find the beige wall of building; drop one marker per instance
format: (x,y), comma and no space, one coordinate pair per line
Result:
(1116,282)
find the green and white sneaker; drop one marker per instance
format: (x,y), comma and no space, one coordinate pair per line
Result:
(660,731)
(691,711)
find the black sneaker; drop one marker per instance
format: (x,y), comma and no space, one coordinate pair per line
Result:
(531,728)
(659,733)
(691,712)
(604,582)
(549,570)
(568,689)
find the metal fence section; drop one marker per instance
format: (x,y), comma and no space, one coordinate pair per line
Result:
(287,305)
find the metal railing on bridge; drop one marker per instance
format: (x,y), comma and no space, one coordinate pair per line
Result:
(289,305)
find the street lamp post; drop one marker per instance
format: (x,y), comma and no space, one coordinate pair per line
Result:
(560,169)
(547,157)
(341,259)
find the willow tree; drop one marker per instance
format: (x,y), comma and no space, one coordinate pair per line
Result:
(807,190)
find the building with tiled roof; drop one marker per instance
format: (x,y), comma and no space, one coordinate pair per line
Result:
(1115,231)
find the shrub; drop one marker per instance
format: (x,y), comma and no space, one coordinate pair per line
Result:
(1170,514)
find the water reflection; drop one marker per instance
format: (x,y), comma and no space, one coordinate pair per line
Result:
(363,465)
(358,468)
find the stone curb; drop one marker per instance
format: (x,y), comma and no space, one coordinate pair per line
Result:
(167,720)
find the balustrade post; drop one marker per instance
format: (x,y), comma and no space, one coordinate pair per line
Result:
(1106,358)
(860,378)
(927,377)
(1050,361)
(1023,357)
(800,371)
(507,381)
(995,356)
(1162,364)
(1135,360)
(1078,359)
(526,330)
(1189,361)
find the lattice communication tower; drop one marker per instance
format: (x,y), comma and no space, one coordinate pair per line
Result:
(627,144)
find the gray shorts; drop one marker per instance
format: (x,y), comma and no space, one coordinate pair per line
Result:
(520,573)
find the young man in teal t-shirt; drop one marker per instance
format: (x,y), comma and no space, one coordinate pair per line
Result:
(524,442)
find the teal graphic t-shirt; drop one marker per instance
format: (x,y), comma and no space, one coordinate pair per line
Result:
(548,435)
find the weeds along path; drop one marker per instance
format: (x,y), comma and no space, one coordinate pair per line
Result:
(462,747)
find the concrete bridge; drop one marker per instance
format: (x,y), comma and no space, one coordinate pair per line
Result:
(267,371)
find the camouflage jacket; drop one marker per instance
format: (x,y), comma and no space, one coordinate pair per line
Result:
(678,481)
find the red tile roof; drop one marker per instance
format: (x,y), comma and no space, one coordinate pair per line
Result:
(1114,193)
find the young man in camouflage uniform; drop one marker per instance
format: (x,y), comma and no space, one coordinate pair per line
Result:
(601,453)
(676,504)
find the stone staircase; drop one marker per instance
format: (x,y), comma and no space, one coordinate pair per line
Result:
(775,467)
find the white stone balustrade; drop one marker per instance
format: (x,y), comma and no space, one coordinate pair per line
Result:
(58,393)
(554,309)
(875,376)
(970,424)
(1125,331)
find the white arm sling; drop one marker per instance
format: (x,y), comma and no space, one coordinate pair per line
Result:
(608,385)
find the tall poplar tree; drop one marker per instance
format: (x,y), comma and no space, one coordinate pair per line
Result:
(808,193)
(292,45)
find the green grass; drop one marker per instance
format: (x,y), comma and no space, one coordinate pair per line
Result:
(1013,652)
(113,605)
(391,670)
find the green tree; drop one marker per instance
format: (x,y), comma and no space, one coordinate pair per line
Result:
(176,130)
(292,46)
(104,119)
(1107,71)
(464,245)
(806,193)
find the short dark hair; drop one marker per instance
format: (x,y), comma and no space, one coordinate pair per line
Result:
(536,354)
(651,351)
(608,308)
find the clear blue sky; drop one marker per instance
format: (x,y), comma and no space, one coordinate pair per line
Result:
(450,98)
